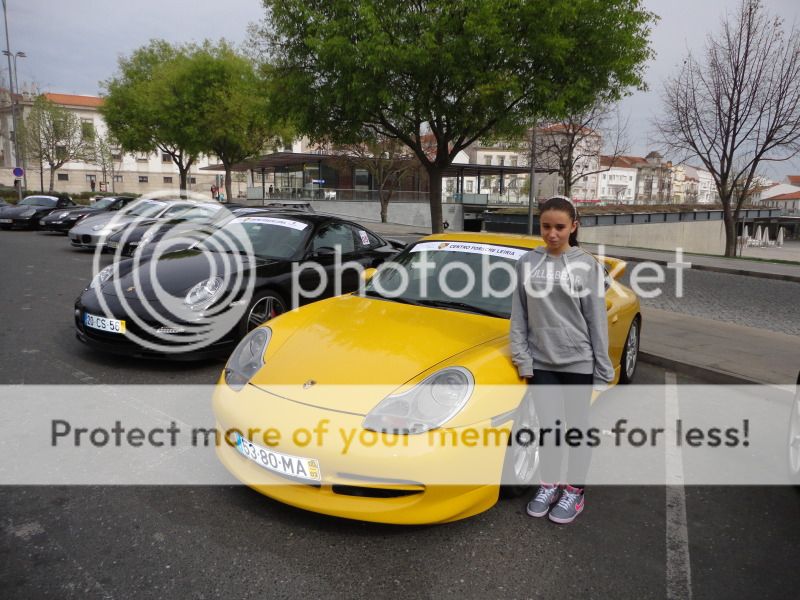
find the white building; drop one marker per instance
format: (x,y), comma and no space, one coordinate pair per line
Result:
(617,183)
(137,174)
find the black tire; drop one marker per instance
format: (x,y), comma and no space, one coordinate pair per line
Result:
(265,305)
(793,439)
(521,463)
(630,353)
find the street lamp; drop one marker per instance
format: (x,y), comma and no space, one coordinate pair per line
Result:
(14,92)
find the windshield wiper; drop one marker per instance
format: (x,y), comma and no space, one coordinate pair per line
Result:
(400,299)
(463,306)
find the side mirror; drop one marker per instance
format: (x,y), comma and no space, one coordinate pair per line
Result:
(616,267)
(323,251)
(368,274)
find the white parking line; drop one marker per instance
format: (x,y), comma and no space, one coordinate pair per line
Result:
(679,575)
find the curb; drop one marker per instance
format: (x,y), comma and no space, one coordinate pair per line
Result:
(713,376)
(717,269)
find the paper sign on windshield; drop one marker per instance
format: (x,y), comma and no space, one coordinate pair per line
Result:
(470,248)
(272,221)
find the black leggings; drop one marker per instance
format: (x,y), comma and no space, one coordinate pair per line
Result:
(563,404)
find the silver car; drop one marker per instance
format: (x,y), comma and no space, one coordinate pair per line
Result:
(92,231)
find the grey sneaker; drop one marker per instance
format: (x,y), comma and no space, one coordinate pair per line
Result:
(543,500)
(569,506)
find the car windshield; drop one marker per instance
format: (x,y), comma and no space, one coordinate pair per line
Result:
(146,209)
(197,213)
(471,277)
(104,203)
(38,201)
(269,237)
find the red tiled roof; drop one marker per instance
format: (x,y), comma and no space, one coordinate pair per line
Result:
(623,162)
(789,196)
(793,179)
(73,100)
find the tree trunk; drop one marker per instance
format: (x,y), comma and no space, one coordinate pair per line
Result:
(184,178)
(730,228)
(435,198)
(228,183)
(52,178)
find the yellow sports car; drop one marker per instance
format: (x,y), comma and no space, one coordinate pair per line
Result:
(396,403)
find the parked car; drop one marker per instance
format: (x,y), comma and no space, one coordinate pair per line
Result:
(184,306)
(147,232)
(793,442)
(93,230)
(64,220)
(401,372)
(31,209)
(301,205)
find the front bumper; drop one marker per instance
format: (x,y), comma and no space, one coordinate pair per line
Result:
(19,223)
(397,479)
(172,347)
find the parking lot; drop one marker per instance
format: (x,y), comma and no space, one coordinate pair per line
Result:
(204,542)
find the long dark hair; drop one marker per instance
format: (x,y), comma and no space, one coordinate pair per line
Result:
(564,205)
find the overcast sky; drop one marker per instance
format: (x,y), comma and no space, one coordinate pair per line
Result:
(72,45)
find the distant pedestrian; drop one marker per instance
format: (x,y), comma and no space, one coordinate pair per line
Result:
(214,191)
(270,190)
(92,184)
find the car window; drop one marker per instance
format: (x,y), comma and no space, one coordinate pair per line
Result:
(335,235)
(267,237)
(146,209)
(38,201)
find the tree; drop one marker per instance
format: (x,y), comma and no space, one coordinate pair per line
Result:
(738,106)
(52,135)
(572,144)
(232,112)
(107,154)
(386,160)
(145,108)
(454,70)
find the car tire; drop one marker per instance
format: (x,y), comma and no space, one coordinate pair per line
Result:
(630,353)
(264,306)
(793,438)
(521,463)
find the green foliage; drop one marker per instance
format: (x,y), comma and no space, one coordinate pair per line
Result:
(52,136)
(440,74)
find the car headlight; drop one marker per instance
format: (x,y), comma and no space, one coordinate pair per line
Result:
(63,215)
(428,405)
(247,358)
(74,217)
(203,294)
(102,277)
(28,213)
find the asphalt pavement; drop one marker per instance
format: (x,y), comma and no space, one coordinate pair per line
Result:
(206,542)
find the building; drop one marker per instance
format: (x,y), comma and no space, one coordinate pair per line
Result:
(617,183)
(125,173)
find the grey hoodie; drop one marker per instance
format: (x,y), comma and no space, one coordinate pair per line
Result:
(558,315)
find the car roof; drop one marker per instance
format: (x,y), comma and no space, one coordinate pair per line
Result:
(500,239)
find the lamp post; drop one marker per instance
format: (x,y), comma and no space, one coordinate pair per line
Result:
(12,75)
(14,93)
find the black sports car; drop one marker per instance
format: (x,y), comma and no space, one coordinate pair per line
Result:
(200,301)
(64,220)
(31,209)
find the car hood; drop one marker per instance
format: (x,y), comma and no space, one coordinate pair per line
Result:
(369,345)
(15,211)
(77,210)
(87,225)
(175,272)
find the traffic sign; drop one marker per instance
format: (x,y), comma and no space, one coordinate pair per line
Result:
(318,181)
(18,172)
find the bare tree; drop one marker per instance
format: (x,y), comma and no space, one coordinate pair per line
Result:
(386,159)
(572,145)
(53,136)
(738,106)
(106,149)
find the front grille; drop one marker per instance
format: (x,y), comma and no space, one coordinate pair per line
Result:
(373,492)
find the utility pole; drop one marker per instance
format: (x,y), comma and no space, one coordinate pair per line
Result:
(13,98)
(532,190)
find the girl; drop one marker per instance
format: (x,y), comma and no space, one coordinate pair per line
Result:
(559,343)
